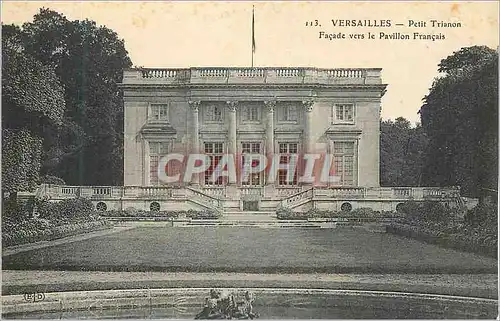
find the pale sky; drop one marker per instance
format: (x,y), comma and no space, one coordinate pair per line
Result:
(193,34)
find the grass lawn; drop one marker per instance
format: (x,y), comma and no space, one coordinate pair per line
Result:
(252,250)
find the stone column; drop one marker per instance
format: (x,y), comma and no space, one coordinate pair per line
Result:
(308,139)
(308,142)
(145,163)
(232,147)
(270,106)
(195,135)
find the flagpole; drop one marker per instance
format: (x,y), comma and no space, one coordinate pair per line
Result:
(253,32)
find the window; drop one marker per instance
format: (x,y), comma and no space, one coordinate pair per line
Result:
(214,114)
(343,158)
(156,151)
(286,150)
(214,151)
(158,112)
(343,113)
(255,179)
(251,113)
(288,113)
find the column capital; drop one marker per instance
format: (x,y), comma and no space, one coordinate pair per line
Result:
(194,104)
(231,104)
(308,105)
(270,105)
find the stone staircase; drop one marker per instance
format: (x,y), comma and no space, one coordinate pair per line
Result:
(263,219)
(258,223)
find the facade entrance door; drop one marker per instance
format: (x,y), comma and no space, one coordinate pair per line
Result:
(250,205)
(254,179)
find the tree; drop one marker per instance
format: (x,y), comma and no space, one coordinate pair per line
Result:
(401,153)
(32,106)
(460,117)
(21,151)
(89,60)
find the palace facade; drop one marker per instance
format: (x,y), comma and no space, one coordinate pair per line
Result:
(260,110)
(278,112)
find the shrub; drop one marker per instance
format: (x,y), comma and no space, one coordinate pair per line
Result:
(483,215)
(204,215)
(284,213)
(410,209)
(76,208)
(140,213)
(74,214)
(35,230)
(428,211)
(362,212)
(67,211)
(193,214)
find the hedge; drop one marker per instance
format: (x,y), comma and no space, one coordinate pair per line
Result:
(470,242)
(192,214)
(432,222)
(28,234)
(287,214)
(52,221)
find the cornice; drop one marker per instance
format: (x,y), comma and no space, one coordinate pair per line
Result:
(378,87)
(332,130)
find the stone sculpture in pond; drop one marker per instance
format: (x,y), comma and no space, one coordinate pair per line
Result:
(228,305)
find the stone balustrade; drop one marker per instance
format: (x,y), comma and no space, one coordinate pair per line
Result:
(297,198)
(215,197)
(252,191)
(215,191)
(156,191)
(403,192)
(207,200)
(271,75)
(379,193)
(211,193)
(287,191)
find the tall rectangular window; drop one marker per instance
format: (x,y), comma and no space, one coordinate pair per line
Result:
(251,113)
(288,113)
(214,151)
(156,151)
(158,112)
(343,156)
(286,151)
(343,113)
(214,113)
(255,179)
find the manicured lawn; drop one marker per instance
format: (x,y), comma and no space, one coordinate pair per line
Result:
(204,249)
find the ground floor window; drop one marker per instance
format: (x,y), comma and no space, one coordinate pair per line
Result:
(214,151)
(255,179)
(343,157)
(156,151)
(286,150)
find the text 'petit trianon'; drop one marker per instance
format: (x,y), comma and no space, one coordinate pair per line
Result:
(314,168)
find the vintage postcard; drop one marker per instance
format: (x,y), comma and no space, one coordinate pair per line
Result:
(244,160)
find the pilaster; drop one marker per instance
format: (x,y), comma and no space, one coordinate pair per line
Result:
(270,107)
(308,137)
(232,147)
(195,143)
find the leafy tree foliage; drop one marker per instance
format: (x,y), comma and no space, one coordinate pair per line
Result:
(32,106)
(460,118)
(89,60)
(401,153)
(21,154)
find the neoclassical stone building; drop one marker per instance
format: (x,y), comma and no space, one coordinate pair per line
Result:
(268,111)
(259,110)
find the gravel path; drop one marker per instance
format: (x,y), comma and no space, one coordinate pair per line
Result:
(479,285)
